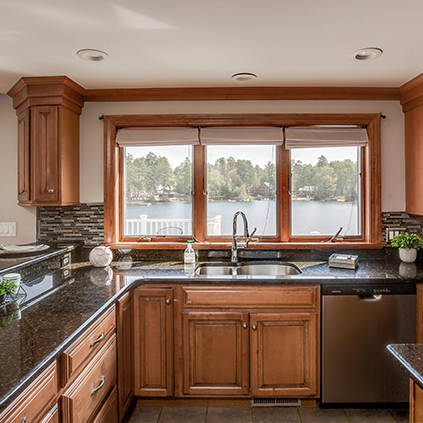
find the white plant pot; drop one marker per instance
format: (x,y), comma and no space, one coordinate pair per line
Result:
(408,256)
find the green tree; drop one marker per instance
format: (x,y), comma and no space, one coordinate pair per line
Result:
(183,177)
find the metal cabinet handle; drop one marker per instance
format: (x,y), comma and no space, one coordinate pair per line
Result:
(22,191)
(168,301)
(254,327)
(24,420)
(51,191)
(244,325)
(99,339)
(103,381)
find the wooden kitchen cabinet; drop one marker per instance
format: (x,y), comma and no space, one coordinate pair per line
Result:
(32,404)
(250,341)
(125,352)
(153,342)
(48,110)
(24,178)
(216,353)
(284,354)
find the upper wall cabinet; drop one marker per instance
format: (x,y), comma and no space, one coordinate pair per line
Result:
(48,110)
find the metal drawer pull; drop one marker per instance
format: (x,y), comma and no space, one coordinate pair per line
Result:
(244,325)
(103,381)
(254,327)
(99,339)
(51,191)
(168,301)
(24,420)
(22,191)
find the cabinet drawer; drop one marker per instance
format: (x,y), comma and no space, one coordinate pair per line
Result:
(34,400)
(52,416)
(87,345)
(88,391)
(293,297)
(109,411)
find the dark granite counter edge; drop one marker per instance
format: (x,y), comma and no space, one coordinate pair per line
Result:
(37,259)
(24,383)
(406,365)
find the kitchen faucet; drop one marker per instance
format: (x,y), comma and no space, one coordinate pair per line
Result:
(247,236)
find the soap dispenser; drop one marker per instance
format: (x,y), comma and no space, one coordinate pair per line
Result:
(189,253)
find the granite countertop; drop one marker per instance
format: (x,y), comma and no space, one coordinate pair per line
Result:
(66,301)
(15,262)
(410,357)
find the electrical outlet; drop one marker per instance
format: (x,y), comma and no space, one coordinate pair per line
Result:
(7,229)
(392,232)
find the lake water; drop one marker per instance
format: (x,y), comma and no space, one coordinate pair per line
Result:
(307,216)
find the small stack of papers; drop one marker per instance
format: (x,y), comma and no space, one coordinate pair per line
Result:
(343,261)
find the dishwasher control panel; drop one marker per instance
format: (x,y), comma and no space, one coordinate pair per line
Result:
(370,289)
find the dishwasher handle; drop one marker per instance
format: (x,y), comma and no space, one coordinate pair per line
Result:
(370,298)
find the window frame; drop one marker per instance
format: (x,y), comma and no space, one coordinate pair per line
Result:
(113,168)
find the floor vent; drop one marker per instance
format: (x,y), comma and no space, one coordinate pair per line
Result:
(275,402)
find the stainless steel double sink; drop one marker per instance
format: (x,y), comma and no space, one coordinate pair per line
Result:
(251,268)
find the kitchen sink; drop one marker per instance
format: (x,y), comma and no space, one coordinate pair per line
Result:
(216,269)
(259,268)
(268,269)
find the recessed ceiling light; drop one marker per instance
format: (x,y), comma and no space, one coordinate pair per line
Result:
(244,76)
(368,53)
(92,55)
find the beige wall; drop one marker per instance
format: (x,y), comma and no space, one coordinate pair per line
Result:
(9,210)
(393,166)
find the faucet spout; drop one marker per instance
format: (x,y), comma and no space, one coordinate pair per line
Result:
(235,245)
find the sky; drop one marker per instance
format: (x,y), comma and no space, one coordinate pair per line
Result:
(256,154)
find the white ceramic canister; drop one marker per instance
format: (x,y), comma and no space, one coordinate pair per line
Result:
(14,278)
(101,256)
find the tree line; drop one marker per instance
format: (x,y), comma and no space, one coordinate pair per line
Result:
(325,180)
(152,178)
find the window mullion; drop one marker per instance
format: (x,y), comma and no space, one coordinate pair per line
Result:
(199,204)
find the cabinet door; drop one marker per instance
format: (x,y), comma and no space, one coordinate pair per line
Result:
(284,357)
(45,157)
(125,352)
(216,353)
(153,342)
(23,157)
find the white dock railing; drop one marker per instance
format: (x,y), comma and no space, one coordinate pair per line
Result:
(146,226)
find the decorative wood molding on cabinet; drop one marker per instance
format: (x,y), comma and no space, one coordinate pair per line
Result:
(48,110)
(242,93)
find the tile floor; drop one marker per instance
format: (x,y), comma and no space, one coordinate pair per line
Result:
(264,415)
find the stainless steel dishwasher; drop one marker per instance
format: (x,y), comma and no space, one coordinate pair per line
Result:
(357,324)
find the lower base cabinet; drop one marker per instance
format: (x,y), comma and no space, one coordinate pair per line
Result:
(227,341)
(416,403)
(284,354)
(216,353)
(33,403)
(84,397)
(153,342)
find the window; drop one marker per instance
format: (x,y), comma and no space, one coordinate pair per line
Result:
(190,181)
(157,189)
(241,178)
(326,191)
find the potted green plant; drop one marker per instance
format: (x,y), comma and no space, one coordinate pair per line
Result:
(408,246)
(6,287)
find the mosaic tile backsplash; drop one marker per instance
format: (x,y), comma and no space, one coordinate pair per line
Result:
(85,223)
(82,224)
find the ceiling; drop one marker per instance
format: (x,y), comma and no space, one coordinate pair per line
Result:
(193,43)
